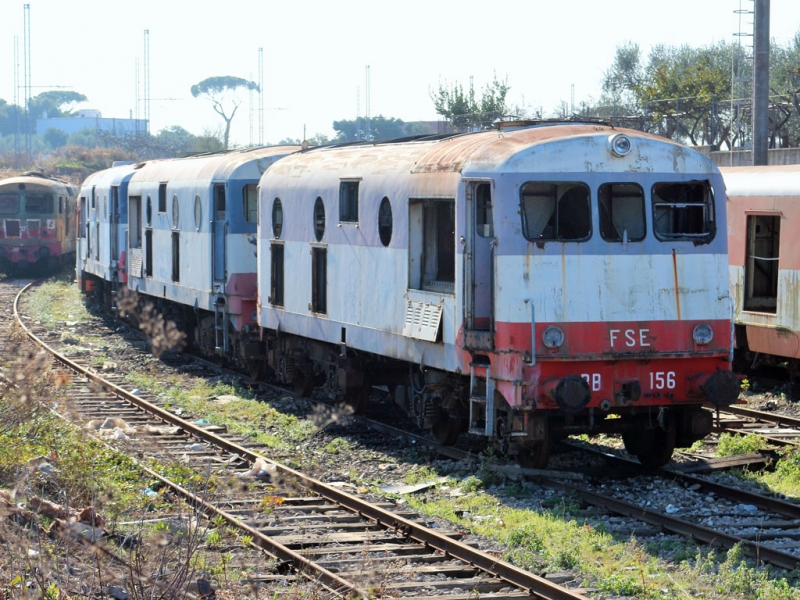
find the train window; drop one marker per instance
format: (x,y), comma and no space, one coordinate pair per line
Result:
(348,201)
(93,199)
(198,212)
(176,256)
(276,275)
(134,219)
(683,211)
(319,219)
(9,204)
(148,252)
(385,221)
(38,205)
(621,212)
(219,202)
(148,217)
(277,218)
(162,197)
(319,280)
(250,202)
(556,211)
(82,219)
(175,211)
(483,209)
(761,266)
(432,245)
(61,205)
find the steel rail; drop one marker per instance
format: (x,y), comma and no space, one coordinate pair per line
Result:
(532,584)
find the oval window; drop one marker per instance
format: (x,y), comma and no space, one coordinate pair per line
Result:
(149,211)
(277,218)
(175,211)
(198,212)
(385,221)
(319,219)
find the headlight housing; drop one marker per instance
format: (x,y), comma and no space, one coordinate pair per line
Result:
(619,144)
(702,334)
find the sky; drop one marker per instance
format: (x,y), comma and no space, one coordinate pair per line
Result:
(316,53)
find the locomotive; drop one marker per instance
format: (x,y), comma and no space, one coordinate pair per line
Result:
(764,263)
(521,284)
(36,222)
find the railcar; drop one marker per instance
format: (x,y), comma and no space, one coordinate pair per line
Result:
(522,284)
(37,222)
(102,231)
(191,245)
(763,202)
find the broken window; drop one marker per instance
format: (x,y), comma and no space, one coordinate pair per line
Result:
(148,253)
(484,220)
(276,275)
(39,204)
(621,212)
(176,256)
(762,264)
(162,197)
(319,219)
(277,218)
(385,221)
(9,204)
(319,280)
(250,202)
(683,211)
(348,201)
(134,219)
(556,211)
(432,252)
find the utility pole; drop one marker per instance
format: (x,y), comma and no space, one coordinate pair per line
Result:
(369,133)
(16,101)
(26,48)
(761,82)
(147,81)
(261,96)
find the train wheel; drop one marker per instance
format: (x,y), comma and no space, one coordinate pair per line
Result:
(446,429)
(653,447)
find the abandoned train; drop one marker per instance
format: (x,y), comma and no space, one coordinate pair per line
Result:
(522,284)
(36,223)
(764,264)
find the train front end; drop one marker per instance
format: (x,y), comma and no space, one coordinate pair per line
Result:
(596,291)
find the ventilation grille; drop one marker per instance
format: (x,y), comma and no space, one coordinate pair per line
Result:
(422,320)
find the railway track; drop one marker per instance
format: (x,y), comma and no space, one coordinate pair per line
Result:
(341,542)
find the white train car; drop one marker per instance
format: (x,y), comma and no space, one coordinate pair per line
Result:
(522,284)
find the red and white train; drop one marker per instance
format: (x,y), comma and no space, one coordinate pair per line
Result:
(522,284)
(37,226)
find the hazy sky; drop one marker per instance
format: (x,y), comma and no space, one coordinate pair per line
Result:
(315,52)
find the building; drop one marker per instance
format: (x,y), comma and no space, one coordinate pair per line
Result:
(92,119)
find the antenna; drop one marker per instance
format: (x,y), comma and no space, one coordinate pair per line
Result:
(136,87)
(572,99)
(16,99)
(261,96)
(26,48)
(147,80)
(358,112)
(737,67)
(250,108)
(369,133)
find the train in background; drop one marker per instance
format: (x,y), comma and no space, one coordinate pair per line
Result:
(182,234)
(37,223)
(763,202)
(521,284)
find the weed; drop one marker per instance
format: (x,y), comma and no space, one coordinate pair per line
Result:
(732,445)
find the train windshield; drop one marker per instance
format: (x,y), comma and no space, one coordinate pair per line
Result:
(556,211)
(9,204)
(621,212)
(38,205)
(683,211)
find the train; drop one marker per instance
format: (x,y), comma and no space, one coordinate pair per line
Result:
(37,223)
(521,284)
(763,202)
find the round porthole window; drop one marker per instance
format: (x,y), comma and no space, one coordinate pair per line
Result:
(175,211)
(148,215)
(319,219)
(385,221)
(277,218)
(198,212)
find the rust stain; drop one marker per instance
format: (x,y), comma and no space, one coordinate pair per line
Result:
(677,287)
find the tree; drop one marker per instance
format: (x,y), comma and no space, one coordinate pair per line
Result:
(223,92)
(55,138)
(57,103)
(464,111)
(380,128)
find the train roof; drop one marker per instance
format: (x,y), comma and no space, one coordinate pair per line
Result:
(772,180)
(208,167)
(38,180)
(553,147)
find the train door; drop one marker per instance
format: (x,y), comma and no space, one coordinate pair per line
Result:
(83,228)
(113,220)
(218,234)
(761,264)
(479,243)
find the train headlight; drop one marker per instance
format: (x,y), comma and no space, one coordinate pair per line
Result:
(702,334)
(553,337)
(620,145)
